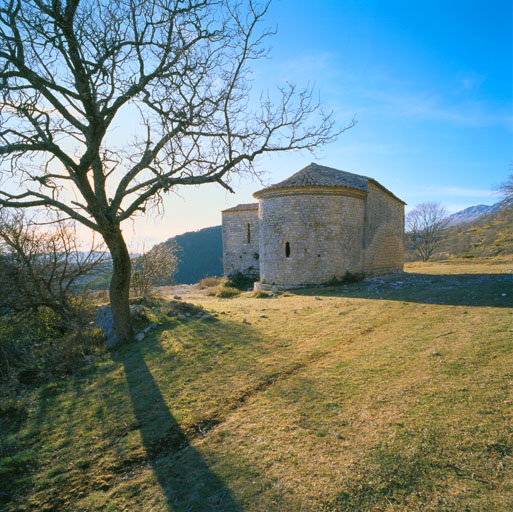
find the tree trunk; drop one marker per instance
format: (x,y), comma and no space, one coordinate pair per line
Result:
(119,288)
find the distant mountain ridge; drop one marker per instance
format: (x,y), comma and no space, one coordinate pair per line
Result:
(473,213)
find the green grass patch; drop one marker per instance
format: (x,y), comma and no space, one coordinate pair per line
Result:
(397,475)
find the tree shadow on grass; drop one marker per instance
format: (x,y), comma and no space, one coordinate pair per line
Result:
(185,478)
(81,422)
(493,290)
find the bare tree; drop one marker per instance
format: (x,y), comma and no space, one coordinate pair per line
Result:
(72,72)
(153,268)
(43,268)
(506,187)
(424,226)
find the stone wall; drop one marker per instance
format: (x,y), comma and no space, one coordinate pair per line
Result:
(384,232)
(239,254)
(310,235)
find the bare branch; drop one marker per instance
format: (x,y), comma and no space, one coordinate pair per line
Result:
(43,268)
(506,187)
(424,227)
(24,200)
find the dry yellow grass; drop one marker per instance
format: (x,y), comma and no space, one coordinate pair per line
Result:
(387,395)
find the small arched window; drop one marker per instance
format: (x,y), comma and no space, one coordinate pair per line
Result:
(248,233)
(287,249)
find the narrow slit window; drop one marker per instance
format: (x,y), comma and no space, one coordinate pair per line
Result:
(287,249)
(248,233)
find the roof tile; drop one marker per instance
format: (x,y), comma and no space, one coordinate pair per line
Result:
(315,175)
(242,207)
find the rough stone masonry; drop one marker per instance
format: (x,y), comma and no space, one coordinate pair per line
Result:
(316,225)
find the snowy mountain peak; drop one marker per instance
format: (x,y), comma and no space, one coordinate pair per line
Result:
(476,212)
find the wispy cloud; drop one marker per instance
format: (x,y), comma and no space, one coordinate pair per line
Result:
(432,106)
(375,149)
(359,90)
(471,82)
(308,66)
(463,192)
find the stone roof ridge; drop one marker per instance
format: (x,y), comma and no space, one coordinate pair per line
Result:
(242,208)
(315,175)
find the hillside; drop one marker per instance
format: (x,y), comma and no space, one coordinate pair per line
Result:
(389,395)
(200,253)
(488,236)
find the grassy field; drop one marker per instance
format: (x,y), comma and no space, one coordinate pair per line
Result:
(387,395)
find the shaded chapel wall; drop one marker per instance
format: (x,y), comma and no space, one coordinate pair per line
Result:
(384,232)
(240,251)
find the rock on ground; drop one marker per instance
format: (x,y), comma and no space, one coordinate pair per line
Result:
(105,321)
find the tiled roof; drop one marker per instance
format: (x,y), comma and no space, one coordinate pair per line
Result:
(315,175)
(242,207)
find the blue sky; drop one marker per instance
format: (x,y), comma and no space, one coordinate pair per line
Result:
(429,82)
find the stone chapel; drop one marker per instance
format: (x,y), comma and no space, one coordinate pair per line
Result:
(316,225)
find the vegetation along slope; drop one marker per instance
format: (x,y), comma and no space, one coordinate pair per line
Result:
(488,236)
(389,394)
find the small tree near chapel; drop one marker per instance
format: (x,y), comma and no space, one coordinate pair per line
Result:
(424,226)
(153,268)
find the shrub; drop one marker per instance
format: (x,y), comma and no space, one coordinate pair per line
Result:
(241,281)
(68,353)
(41,268)
(226,292)
(155,267)
(347,278)
(14,353)
(209,282)
(36,349)
(22,337)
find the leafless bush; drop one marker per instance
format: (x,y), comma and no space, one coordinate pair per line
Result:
(154,268)
(43,267)
(506,187)
(424,226)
